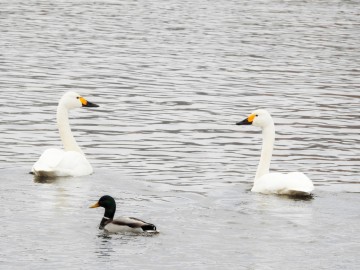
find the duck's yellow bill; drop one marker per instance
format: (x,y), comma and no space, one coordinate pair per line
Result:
(95,205)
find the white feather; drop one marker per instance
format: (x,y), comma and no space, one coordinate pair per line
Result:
(56,162)
(295,183)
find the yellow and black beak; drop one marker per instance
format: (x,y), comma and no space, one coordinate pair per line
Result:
(247,121)
(95,205)
(86,103)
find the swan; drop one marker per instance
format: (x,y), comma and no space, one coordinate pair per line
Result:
(120,224)
(294,183)
(71,161)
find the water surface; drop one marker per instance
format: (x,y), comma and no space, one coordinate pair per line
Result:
(172,78)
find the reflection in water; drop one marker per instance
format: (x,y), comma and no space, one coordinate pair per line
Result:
(299,197)
(44,180)
(104,247)
(105,242)
(50,180)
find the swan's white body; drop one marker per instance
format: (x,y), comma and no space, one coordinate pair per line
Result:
(71,161)
(57,162)
(294,183)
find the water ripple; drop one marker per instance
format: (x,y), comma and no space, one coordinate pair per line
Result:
(172,78)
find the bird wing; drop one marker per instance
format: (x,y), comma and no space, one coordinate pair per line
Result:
(129,221)
(280,183)
(55,162)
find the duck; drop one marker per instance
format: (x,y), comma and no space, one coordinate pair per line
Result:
(71,160)
(293,183)
(120,224)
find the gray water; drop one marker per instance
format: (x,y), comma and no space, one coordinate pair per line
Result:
(172,78)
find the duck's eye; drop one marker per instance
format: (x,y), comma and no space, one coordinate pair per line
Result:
(256,115)
(77,97)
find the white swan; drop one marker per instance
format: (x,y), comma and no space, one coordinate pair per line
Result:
(72,161)
(295,183)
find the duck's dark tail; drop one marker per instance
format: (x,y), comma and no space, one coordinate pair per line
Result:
(149,228)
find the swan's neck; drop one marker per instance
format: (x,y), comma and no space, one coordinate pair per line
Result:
(266,152)
(66,135)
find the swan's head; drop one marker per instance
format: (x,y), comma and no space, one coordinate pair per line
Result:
(71,100)
(259,118)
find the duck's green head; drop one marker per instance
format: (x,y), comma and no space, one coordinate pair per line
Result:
(108,203)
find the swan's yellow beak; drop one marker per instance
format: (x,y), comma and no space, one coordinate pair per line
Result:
(247,121)
(95,205)
(86,103)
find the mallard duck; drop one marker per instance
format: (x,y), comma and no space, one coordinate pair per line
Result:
(294,183)
(120,224)
(71,161)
